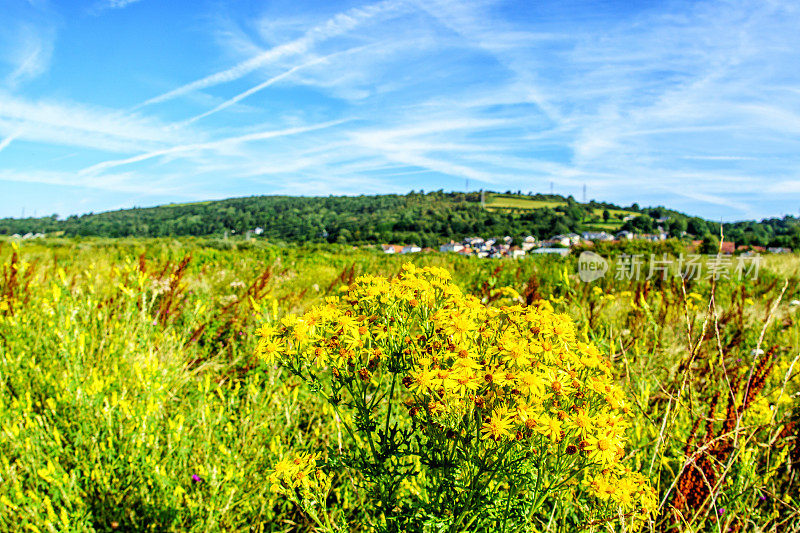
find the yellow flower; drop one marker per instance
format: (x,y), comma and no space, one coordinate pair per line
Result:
(603,448)
(601,486)
(549,427)
(581,423)
(498,426)
(421,380)
(461,382)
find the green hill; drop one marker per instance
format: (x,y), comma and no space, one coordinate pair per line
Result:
(428,219)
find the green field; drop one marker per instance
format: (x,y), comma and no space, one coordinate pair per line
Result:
(505,202)
(132,398)
(500,201)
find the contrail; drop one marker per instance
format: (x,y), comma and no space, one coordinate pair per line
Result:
(338,25)
(275,79)
(100,167)
(8,140)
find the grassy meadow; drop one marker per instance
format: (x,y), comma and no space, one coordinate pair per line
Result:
(132,399)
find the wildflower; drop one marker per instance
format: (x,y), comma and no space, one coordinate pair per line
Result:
(513,374)
(581,423)
(600,486)
(497,427)
(602,448)
(549,427)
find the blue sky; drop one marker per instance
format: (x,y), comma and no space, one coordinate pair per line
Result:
(107,104)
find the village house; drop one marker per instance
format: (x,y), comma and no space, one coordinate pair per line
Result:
(528,243)
(451,247)
(516,252)
(653,237)
(392,248)
(410,249)
(596,236)
(559,251)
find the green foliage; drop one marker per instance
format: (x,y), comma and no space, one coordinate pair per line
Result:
(125,373)
(416,218)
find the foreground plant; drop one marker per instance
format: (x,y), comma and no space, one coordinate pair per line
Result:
(460,416)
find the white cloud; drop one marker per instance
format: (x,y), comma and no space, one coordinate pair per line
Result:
(268,83)
(73,124)
(221,144)
(7,141)
(27,50)
(116,4)
(335,26)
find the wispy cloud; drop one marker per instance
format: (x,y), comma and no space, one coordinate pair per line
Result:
(72,124)
(202,147)
(8,140)
(271,81)
(28,49)
(337,25)
(114,4)
(695,105)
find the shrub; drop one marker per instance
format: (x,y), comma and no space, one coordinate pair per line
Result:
(459,416)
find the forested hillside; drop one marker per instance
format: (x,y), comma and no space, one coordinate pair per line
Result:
(428,219)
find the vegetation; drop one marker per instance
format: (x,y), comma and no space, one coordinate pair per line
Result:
(138,391)
(416,218)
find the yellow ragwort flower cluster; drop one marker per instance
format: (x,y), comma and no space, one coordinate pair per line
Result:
(298,472)
(490,376)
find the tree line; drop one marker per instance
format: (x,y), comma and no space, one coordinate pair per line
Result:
(427,219)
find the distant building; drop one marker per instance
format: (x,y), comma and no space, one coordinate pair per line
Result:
(653,237)
(392,248)
(410,249)
(528,243)
(558,251)
(570,239)
(451,247)
(596,236)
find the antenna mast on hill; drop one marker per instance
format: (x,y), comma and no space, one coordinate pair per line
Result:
(483,199)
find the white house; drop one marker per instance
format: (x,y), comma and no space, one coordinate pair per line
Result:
(391,248)
(562,240)
(528,243)
(595,236)
(451,247)
(654,237)
(410,249)
(559,251)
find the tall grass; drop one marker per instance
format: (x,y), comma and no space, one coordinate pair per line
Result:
(130,398)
